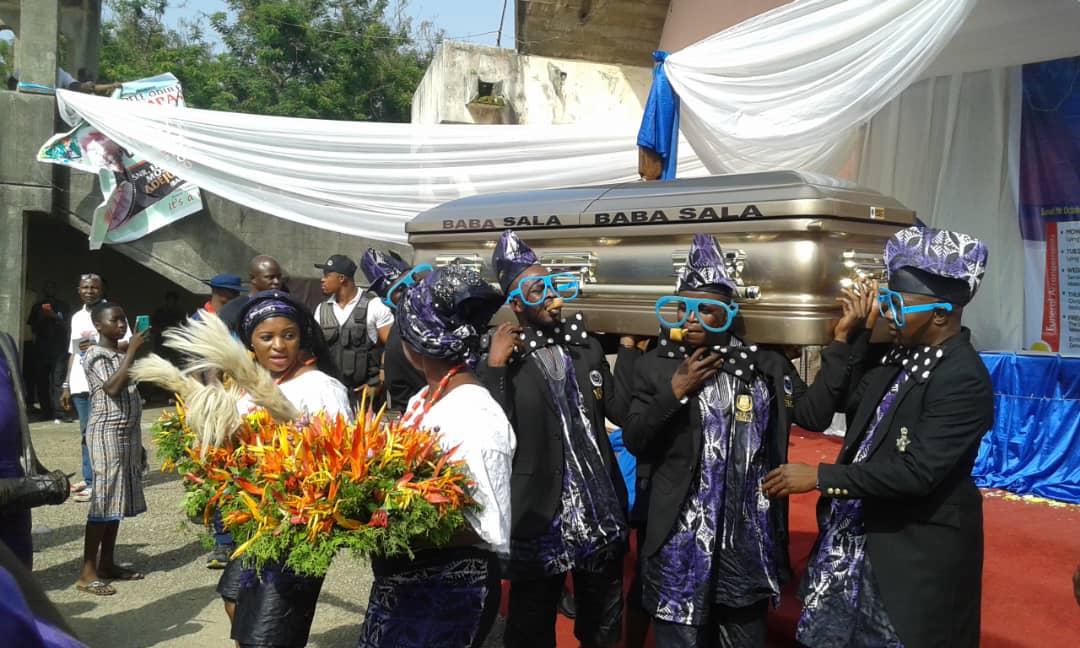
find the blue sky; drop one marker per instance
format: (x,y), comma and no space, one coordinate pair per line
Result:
(475,21)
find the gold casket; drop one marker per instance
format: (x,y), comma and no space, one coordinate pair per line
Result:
(792,239)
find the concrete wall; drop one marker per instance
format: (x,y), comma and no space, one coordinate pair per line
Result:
(606,31)
(534,89)
(79,23)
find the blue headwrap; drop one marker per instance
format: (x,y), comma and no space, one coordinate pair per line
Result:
(445,314)
(382,270)
(512,256)
(705,270)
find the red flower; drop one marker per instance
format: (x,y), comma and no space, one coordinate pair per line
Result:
(378,518)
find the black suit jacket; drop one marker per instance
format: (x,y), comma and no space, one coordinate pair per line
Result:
(922,511)
(666,434)
(403,380)
(536,480)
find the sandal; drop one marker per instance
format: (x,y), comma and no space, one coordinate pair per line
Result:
(97,588)
(78,486)
(121,574)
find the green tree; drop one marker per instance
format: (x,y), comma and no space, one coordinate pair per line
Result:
(6,68)
(135,43)
(329,59)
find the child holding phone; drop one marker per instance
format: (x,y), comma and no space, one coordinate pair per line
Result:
(113,436)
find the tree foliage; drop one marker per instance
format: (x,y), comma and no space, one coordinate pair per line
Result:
(329,59)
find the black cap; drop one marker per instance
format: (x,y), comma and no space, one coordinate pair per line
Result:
(338,263)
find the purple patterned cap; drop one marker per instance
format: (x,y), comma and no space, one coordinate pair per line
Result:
(939,263)
(512,256)
(444,315)
(705,270)
(382,270)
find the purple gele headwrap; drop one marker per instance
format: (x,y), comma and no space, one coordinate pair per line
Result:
(274,303)
(382,270)
(939,263)
(512,256)
(444,315)
(705,270)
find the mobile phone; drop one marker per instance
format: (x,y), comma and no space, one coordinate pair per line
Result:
(142,322)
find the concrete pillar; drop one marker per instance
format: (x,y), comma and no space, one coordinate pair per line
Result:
(36,46)
(12,262)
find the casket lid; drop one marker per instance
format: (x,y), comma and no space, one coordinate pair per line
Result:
(771,194)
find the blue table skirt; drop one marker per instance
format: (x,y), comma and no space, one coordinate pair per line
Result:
(1034,447)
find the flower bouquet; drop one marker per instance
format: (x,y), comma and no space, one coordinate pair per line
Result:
(294,489)
(295,493)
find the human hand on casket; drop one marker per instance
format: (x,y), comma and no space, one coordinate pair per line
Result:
(694,371)
(503,342)
(859,304)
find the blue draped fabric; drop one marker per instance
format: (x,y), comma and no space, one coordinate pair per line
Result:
(1034,448)
(627,465)
(660,123)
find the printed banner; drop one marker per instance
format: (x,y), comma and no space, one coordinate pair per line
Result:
(139,196)
(1064,268)
(1049,204)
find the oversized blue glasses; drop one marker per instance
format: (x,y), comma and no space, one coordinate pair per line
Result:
(534,290)
(406,280)
(673,311)
(892,302)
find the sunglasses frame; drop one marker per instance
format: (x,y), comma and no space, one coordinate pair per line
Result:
(693,306)
(885,297)
(405,281)
(549,288)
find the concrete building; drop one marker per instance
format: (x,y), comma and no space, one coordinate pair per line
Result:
(45,210)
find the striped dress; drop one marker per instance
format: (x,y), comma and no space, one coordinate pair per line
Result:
(114,437)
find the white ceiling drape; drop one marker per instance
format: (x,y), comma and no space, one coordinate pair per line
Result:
(785,89)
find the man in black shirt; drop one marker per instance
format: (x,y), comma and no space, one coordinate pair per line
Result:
(390,276)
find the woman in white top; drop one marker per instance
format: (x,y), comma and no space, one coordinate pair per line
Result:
(448,597)
(275,608)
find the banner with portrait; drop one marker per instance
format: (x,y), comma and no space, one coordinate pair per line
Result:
(139,197)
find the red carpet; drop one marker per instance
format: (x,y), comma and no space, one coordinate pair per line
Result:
(1031,552)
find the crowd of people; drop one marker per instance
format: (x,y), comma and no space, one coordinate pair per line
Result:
(705,413)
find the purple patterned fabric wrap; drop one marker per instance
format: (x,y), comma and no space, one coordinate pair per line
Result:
(940,252)
(382,270)
(444,315)
(841,605)
(590,519)
(705,270)
(722,549)
(511,257)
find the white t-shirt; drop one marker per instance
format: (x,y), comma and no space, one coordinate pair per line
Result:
(311,392)
(82,328)
(378,314)
(468,417)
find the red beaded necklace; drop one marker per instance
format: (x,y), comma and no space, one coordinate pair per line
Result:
(436,396)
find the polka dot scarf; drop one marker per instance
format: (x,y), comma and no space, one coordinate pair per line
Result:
(917,362)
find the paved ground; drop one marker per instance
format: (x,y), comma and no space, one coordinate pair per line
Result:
(176,605)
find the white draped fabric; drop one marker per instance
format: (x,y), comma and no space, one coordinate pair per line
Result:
(361,178)
(787,88)
(943,149)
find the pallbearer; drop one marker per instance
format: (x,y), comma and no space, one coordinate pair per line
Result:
(710,414)
(568,499)
(389,277)
(898,561)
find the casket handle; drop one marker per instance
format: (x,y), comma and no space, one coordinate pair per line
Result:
(471,261)
(583,264)
(862,265)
